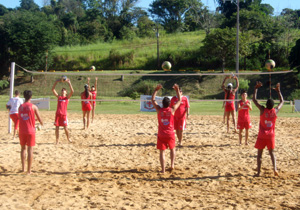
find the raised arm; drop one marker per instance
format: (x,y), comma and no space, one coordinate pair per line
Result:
(71,88)
(223,84)
(53,88)
(175,107)
(156,106)
(277,89)
(237,83)
(260,107)
(96,80)
(88,80)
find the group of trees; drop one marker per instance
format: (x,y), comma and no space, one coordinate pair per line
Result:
(28,31)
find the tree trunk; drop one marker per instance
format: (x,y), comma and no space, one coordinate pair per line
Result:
(223,65)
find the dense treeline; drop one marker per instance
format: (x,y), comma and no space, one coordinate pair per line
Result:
(28,31)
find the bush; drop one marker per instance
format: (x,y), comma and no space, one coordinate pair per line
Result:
(244,84)
(143,87)
(294,95)
(3,84)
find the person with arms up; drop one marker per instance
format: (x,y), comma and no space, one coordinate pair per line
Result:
(13,106)
(86,106)
(266,134)
(230,96)
(181,115)
(61,111)
(27,113)
(93,90)
(166,135)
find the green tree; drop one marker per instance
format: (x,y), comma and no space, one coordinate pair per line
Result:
(3,10)
(170,13)
(27,35)
(295,55)
(28,5)
(220,44)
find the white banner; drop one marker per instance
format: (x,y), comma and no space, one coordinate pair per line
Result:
(297,105)
(146,104)
(41,103)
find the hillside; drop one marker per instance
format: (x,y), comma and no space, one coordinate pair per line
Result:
(140,53)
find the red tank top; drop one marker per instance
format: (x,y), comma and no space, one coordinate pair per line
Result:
(244,112)
(94,94)
(267,123)
(27,120)
(165,122)
(62,105)
(85,103)
(231,97)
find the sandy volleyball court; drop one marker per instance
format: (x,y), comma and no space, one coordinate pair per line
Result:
(115,165)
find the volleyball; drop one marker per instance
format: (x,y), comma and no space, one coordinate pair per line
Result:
(93,68)
(63,78)
(166,65)
(270,64)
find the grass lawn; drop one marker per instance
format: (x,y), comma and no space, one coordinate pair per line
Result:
(133,107)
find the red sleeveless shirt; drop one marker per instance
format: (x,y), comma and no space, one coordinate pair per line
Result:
(267,123)
(27,120)
(165,122)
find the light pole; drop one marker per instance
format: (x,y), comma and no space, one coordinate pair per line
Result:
(237,63)
(157,36)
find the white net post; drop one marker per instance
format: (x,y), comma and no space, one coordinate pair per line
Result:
(11,89)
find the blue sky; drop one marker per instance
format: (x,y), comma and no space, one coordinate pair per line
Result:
(278,5)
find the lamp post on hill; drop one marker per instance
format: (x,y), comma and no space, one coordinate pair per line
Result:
(237,64)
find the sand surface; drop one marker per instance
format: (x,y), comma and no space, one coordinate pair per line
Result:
(115,165)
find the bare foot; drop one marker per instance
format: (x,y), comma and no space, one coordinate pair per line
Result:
(276,173)
(70,141)
(162,172)
(256,175)
(28,173)
(246,143)
(170,169)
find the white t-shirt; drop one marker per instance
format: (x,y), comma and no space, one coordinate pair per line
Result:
(14,103)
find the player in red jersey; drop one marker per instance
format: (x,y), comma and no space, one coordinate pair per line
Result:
(27,129)
(244,117)
(61,111)
(166,135)
(230,95)
(93,90)
(181,115)
(266,134)
(86,106)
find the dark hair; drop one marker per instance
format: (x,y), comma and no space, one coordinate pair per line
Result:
(270,103)
(228,94)
(64,89)
(27,94)
(93,86)
(243,91)
(17,92)
(166,102)
(86,90)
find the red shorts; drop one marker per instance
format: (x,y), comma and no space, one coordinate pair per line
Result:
(27,139)
(15,119)
(94,103)
(165,143)
(244,124)
(261,143)
(86,107)
(61,120)
(229,106)
(179,123)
